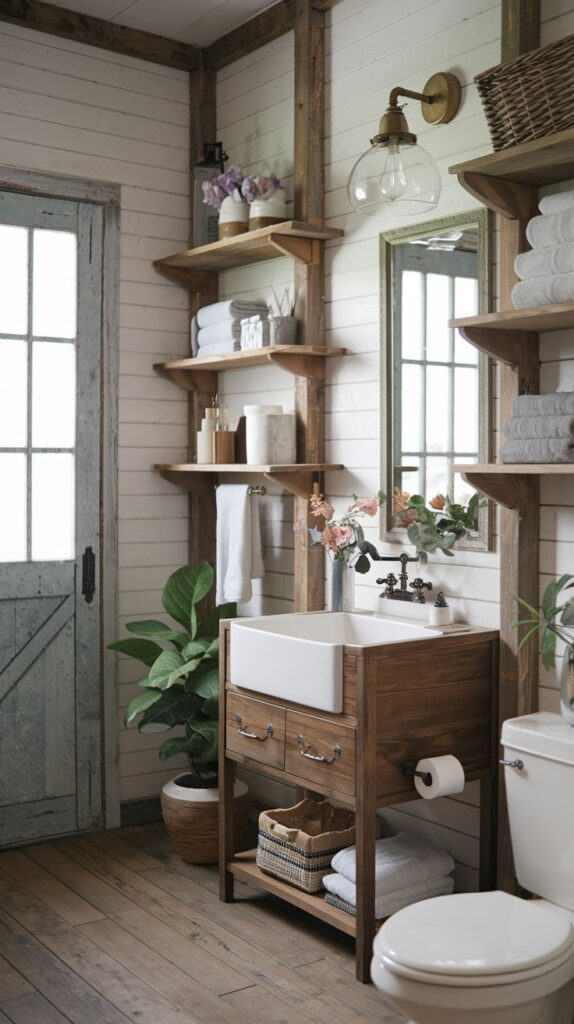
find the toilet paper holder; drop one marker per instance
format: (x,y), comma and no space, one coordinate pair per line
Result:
(410,771)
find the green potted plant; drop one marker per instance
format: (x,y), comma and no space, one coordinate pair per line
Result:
(554,620)
(435,525)
(181,688)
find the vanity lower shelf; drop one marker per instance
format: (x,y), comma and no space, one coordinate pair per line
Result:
(245,868)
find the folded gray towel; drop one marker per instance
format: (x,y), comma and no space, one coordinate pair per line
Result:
(543,291)
(557,202)
(551,228)
(554,259)
(537,450)
(545,428)
(335,901)
(230,309)
(226,330)
(557,403)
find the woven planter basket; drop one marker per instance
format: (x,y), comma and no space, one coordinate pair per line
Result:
(531,96)
(297,844)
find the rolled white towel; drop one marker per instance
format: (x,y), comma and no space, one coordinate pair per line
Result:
(230,309)
(555,403)
(551,228)
(554,259)
(543,291)
(523,428)
(390,902)
(400,861)
(557,202)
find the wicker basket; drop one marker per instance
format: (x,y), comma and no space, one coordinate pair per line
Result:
(297,844)
(531,96)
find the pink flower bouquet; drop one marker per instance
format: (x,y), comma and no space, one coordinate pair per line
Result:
(343,536)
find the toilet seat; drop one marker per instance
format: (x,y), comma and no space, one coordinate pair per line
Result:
(474,939)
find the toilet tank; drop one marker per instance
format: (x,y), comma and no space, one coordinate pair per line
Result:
(541,804)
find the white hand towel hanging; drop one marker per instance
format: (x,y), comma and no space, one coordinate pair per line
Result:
(239,554)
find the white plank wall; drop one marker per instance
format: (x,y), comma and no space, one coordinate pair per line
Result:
(74,110)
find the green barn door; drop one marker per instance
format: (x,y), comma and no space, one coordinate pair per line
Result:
(50,345)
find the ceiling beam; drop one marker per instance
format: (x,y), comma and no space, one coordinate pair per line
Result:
(107,35)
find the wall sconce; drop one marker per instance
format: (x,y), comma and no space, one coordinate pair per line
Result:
(396,174)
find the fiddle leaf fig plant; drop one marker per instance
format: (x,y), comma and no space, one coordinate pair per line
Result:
(553,620)
(182,684)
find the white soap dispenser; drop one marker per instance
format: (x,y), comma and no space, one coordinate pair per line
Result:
(440,613)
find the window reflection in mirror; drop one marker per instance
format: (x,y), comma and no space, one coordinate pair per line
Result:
(436,388)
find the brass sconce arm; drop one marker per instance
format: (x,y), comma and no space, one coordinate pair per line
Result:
(440,101)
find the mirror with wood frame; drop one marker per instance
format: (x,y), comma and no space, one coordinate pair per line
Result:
(436,395)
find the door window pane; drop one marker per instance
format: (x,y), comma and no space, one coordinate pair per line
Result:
(411,426)
(13,508)
(412,307)
(53,395)
(438,408)
(438,315)
(13,393)
(54,293)
(465,409)
(53,514)
(14,278)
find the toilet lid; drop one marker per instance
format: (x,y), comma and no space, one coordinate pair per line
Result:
(474,934)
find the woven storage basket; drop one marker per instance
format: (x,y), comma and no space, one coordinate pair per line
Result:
(297,844)
(531,96)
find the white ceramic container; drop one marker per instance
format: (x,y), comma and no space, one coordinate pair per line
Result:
(233,217)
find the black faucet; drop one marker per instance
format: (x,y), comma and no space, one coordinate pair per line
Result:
(418,585)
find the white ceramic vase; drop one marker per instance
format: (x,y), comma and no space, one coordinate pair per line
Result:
(263,212)
(233,217)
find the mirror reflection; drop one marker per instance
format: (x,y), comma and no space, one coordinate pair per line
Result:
(436,386)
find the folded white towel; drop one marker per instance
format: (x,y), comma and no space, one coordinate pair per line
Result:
(390,902)
(194,330)
(551,228)
(543,291)
(523,428)
(538,451)
(557,202)
(400,861)
(230,309)
(239,555)
(554,259)
(224,330)
(555,403)
(218,348)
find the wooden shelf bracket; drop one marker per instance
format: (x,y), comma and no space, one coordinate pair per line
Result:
(505,346)
(300,484)
(510,199)
(508,489)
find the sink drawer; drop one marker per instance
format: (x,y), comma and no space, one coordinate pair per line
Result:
(319,738)
(266,721)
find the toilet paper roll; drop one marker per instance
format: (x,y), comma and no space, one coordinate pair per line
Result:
(446,773)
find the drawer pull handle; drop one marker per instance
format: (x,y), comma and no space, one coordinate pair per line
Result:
(517,763)
(253,735)
(304,751)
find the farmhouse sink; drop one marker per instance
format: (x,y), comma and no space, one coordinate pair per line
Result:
(299,657)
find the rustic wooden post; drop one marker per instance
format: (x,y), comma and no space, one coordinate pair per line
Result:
(309,201)
(519,527)
(201,505)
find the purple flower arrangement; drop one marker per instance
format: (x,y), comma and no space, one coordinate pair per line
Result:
(223,185)
(233,183)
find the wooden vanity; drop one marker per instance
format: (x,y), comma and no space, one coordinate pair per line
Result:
(401,702)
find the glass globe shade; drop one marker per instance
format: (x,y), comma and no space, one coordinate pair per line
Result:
(394,176)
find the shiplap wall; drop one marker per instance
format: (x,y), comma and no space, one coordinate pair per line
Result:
(74,110)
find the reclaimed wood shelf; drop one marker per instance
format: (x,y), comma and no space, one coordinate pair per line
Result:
(507,483)
(296,478)
(504,180)
(200,372)
(245,868)
(198,268)
(506,335)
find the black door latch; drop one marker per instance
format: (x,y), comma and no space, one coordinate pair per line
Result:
(88,575)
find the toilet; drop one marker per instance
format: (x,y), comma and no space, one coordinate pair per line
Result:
(489,957)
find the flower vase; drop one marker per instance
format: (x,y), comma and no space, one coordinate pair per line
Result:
(233,217)
(264,212)
(342,586)
(567,686)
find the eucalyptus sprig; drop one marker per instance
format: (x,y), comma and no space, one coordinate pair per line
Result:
(553,619)
(440,523)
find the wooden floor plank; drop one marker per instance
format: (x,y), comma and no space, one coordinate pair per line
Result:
(129,994)
(67,904)
(365,999)
(289,950)
(167,979)
(12,983)
(175,943)
(79,1002)
(33,1009)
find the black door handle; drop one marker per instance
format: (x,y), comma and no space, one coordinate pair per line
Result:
(88,575)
